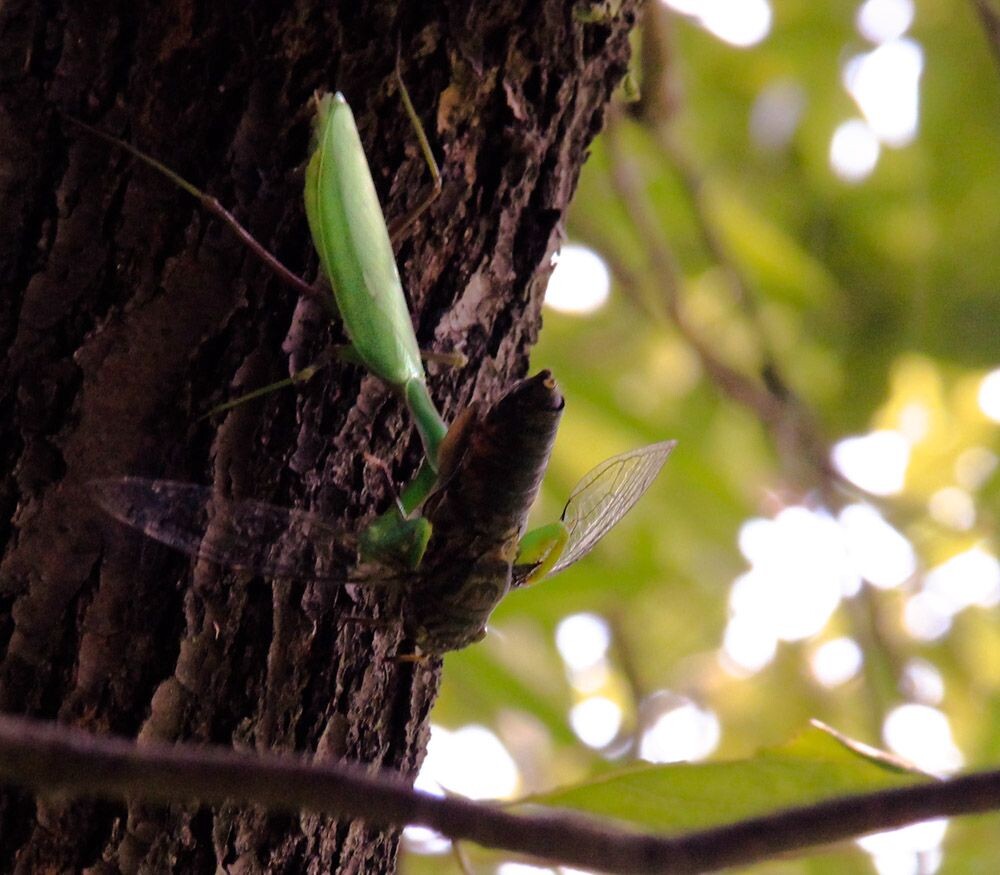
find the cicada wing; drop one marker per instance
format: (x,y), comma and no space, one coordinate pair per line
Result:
(605,495)
(244,535)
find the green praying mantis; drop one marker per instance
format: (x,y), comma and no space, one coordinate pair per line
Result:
(455,541)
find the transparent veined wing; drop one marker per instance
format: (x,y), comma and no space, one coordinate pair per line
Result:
(244,535)
(605,495)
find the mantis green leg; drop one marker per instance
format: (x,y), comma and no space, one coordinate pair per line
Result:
(396,537)
(341,351)
(542,548)
(211,206)
(398,525)
(399,227)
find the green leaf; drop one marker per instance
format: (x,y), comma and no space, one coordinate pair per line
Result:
(812,767)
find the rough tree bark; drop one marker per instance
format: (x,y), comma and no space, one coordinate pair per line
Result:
(126,313)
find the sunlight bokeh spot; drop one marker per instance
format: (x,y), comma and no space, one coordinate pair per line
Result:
(885,84)
(923,682)
(803,563)
(974,467)
(922,735)
(854,150)
(746,646)
(876,462)
(591,678)
(757,540)
(682,734)
(596,721)
(800,571)
(422,839)
(953,507)
(580,282)
(741,23)
(582,640)
(880,21)
(881,555)
(792,601)
(915,422)
(685,7)
(835,662)
(776,114)
(523,869)
(926,616)
(971,578)
(989,395)
(470,761)
(910,850)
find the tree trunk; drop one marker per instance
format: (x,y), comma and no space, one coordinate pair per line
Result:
(127,313)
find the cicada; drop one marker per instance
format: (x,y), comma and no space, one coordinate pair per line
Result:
(477,514)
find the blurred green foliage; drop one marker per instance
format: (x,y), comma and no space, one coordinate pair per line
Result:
(870,299)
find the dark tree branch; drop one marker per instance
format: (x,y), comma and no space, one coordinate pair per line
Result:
(51,758)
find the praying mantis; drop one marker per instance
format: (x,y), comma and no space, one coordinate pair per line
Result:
(456,539)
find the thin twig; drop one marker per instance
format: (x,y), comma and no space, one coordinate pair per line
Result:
(51,758)
(770,396)
(433,192)
(989,16)
(742,293)
(213,207)
(625,179)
